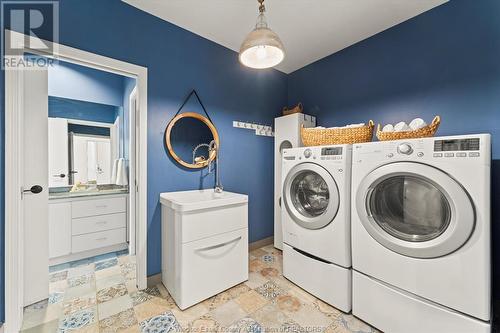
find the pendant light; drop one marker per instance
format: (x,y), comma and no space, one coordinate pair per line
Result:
(262,48)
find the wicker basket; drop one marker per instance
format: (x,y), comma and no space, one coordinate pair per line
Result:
(423,132)
(298,109)
(337,136)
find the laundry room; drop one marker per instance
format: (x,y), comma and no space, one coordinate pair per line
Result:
(250,166)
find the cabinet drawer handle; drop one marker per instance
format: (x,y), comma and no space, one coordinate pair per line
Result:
(219,245)
(101,206)
(101,239)
(101,222)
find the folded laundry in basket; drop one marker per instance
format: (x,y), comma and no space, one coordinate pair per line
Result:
(417,123)
(401,127)
(388,128)
(355,125)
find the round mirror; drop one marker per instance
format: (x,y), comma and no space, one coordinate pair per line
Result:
(188,139)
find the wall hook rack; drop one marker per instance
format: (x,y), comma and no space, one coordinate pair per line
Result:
(261,130)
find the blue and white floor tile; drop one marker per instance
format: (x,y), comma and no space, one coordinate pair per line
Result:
(99,295)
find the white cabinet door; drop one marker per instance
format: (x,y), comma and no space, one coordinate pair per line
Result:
(59,229)
(58,152)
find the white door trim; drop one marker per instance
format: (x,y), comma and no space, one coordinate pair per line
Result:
(89,123)
(133,144)
(13,149)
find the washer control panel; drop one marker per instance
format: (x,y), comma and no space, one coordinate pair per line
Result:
(331,153)
(325,153)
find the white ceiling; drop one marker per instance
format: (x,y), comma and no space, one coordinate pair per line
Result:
(309,29)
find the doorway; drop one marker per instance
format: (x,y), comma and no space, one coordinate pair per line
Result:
(28,167)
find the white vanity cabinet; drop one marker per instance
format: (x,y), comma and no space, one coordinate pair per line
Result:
(204,243)
(59,229)
(86,226)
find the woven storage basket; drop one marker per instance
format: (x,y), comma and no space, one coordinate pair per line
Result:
(297,109)
(337,136)
(423,132)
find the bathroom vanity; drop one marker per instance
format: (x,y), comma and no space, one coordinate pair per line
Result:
(85,224)
(204,243)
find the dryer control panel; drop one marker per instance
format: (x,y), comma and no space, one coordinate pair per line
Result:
(472,148)
(457,147)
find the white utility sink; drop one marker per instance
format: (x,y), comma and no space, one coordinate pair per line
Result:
(200,199)
(204,243)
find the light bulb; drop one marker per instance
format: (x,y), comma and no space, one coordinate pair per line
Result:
(261,52)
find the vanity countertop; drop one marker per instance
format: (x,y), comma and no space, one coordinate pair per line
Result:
(78,194)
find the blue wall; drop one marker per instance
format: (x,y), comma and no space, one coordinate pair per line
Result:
(177,62)
(73,109)
(85,84)
(444,62)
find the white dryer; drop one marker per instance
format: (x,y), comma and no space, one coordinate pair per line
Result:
(421,234)
(316,221)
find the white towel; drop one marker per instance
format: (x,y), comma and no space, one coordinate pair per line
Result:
(401,127)
(388,128)
(355,125)
(121,174)
(417,123)
(114,172)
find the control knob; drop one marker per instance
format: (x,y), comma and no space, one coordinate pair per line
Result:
(405,149)
(307,153)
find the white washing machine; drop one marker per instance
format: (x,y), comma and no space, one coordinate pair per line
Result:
(316,221)
(421,234)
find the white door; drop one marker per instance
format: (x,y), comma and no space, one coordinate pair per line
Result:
(415,209)
(35,170)
(58,152)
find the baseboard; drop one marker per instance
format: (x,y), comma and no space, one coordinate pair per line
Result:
(260,243)
(87,254)
(154,280)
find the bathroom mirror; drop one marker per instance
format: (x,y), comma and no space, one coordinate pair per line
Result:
(188,137)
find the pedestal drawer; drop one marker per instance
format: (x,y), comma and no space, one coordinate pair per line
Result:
(98,239)
(86,225)
(208,266)
(100,206)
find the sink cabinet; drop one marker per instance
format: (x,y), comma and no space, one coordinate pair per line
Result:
(87,226)
(204,244)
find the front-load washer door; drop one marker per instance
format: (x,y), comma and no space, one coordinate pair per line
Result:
(311,196)
(415,209)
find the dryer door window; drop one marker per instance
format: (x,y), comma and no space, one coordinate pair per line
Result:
(311,196)
(415,209)
(409,208)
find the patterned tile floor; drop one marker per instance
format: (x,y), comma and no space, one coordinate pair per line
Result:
(100,296)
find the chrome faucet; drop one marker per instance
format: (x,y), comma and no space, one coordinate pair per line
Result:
(213,147)
(195,150)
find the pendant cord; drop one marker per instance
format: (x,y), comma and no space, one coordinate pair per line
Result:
(262,8)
